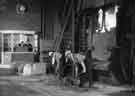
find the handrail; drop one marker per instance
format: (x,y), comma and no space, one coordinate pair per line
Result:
(79,5)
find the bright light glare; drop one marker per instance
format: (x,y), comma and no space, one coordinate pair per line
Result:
(100,18)
(110,19)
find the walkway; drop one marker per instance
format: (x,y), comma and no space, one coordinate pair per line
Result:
(43,85)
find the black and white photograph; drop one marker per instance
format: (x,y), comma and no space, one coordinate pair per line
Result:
(67,47)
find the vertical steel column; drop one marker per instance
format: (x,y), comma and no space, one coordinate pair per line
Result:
(73,26)
(2,50)
(12,42)
(42,22)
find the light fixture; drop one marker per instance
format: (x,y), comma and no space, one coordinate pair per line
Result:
(21,7)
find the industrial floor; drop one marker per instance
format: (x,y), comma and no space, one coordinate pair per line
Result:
(48,85)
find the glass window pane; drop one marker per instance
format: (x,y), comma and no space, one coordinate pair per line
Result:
(7,42)
(24,42)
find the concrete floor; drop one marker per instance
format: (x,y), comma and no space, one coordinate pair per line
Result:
(43,85)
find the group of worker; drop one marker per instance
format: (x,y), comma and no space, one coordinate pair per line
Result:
(77,65)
